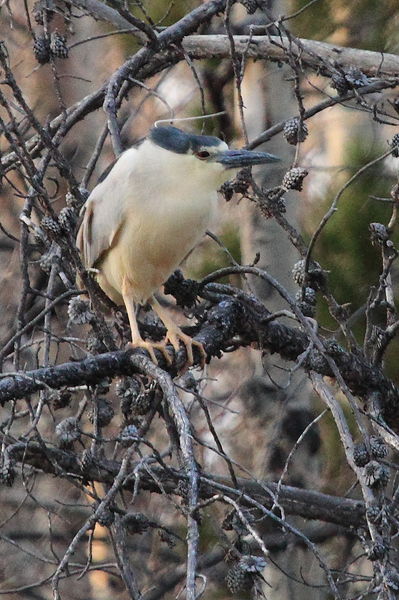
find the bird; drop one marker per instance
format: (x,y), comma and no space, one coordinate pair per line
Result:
(147,213)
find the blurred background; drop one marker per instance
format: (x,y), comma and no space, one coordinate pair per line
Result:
(259,405)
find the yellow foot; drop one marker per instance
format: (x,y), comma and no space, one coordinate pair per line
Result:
(150,347)
(175,335)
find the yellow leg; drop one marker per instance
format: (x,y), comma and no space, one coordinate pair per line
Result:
(137,340)
(174,334)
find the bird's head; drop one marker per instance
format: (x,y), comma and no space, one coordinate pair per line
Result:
(205,157)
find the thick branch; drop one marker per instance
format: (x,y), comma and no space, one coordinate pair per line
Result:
(310,52)
(197,46)
(227,320)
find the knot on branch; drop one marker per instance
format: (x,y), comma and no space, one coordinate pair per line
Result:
(185,291)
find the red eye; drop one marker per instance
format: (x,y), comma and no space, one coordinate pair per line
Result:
(202,154)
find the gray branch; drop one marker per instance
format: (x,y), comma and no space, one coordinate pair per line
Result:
(340,511)
(309,52)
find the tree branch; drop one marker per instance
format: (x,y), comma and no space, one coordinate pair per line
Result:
(310,53)
(296,501)
(227,319)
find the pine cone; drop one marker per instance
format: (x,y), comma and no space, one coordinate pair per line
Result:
(339,82)
(41,49)
(105,412)
(128,390)
(298,272)
(308,310)
(373,513)
(294,131)
(293,179)
(87,459)
(242,181)
(76,202)
(241,576)
(308,295)
(319,363)
(140,405)
(67,219)
(7,472)
(135,523)
(58,46)
(275,199)
(378,233)
(355,77)
(51,227)
(94,345)
(395,145)
(392,579)
(106,516)
(227,190)
(333,348)
(376,551)
(67,432)
(361,455)
(378,447)
(79,311)
(238,580)
(377,476)
(46,261)
(250,6)
(315,276)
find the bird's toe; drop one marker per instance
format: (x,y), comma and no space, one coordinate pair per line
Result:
(178,336)
(150,347)
(202,352)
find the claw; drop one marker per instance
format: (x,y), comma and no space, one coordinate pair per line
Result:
(176,335)
(202,352)
(150,347)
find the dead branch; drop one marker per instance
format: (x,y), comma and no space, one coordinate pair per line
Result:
(295,501)
(228,319)
(310,53)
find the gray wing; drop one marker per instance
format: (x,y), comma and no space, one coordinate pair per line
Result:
(103,214)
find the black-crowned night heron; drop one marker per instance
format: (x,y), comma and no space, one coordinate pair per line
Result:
(149,212)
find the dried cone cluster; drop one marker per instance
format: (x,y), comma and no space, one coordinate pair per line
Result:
(58,45)
(349,79)
(46,47)
(378,233)
(79,311)
(67,432)
(395,145)
(293,179)
(250,6)
(295,131)
(242,574)
(41,49)
(135,400)
(310,282)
